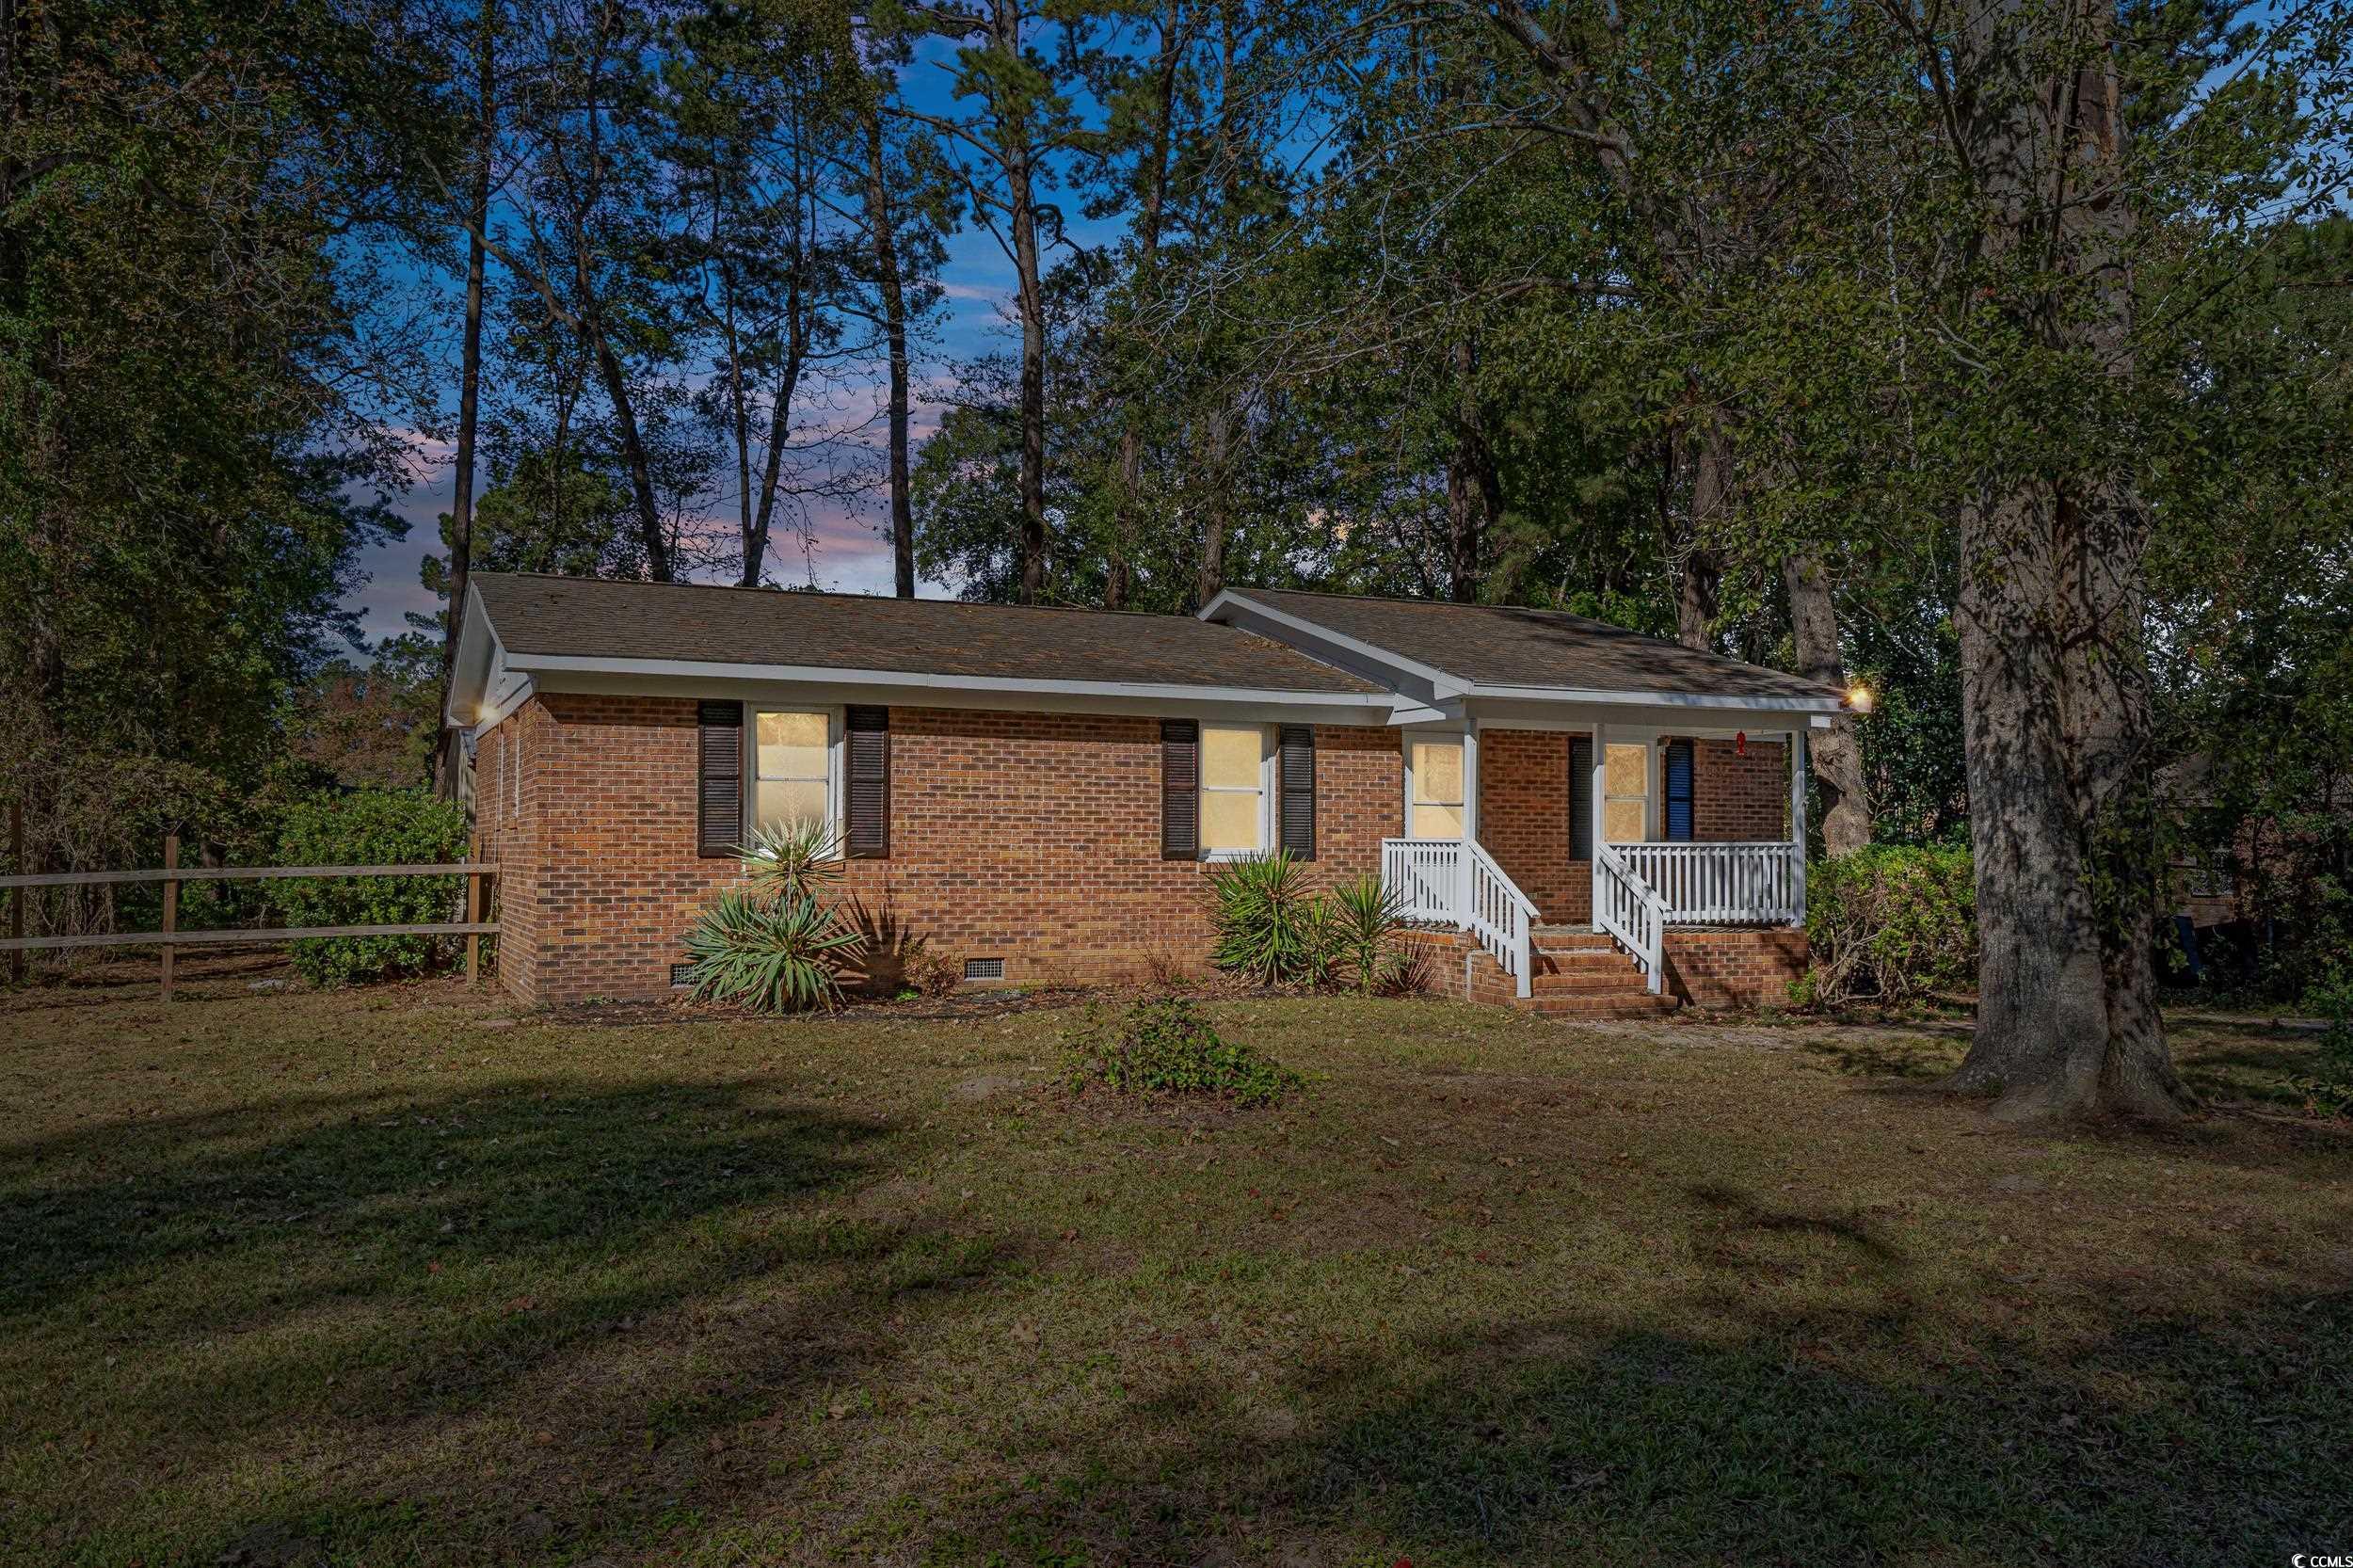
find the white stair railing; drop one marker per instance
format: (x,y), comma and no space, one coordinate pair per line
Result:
(1629,908)
(1456,881)
(1722,884)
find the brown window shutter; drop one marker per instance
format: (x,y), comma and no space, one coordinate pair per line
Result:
(1180,789)
(719,784)
(868,782)
(1580,797)
(1298,747)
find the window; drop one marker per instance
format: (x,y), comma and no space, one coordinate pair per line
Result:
(1626,793)
(792,769)
(1437,797)
(1233,788)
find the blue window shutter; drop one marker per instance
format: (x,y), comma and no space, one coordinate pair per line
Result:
(1678,791)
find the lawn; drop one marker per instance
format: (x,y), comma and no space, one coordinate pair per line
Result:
(400,1276)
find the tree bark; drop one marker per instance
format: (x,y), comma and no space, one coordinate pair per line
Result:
(460,540)
(1474,491)
(2053,688)
(886,246)
(1117,572)
(1698,566)
(1217,505)
(1836,752)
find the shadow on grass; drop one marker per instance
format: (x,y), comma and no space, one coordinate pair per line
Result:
(590,1282)
(1584,1441)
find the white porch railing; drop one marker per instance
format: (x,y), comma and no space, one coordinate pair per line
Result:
(1456,881)
(1736,884)
(1627,908)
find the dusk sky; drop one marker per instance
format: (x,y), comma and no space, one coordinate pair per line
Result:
(851,554)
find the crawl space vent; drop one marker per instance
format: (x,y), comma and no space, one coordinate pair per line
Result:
(681,974)
(983,969)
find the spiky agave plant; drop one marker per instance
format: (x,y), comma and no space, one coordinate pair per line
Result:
(1366,920)
(782,955)
(1269,926)
(791,860)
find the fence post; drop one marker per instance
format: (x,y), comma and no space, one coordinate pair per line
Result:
(474,938)
(171,906)
(16,895)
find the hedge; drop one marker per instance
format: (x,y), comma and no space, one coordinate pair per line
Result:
(371,828)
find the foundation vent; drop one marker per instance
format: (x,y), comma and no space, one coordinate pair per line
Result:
(681,974)
(983,969)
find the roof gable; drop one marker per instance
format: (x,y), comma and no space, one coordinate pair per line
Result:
(1495,647)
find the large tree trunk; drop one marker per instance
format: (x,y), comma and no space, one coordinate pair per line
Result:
(1837,755)
(886,244)
(1117,572)
(1474,491)
(1698,566)
(1219,438)
(2052,661)
(446,764)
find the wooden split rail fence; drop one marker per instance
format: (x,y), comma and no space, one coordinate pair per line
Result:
(172,874)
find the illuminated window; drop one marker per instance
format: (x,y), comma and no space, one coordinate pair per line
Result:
(1625,793)
(792,769)
(1438,799)
(1233,788)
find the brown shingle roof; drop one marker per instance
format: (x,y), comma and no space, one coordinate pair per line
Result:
(1494,645)
(595,618)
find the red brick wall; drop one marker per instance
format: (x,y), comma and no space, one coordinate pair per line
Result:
(1739,799)
(1524,809)
(1735,968)
(1524,820)
(1033,838)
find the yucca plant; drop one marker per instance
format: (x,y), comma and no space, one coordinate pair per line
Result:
(780,955)
(793,860)
(1366,919)
(1269,926)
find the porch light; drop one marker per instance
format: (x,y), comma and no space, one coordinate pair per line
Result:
(1859,697)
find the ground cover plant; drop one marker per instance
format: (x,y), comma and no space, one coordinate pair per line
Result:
(399,1276)
(1164,1045)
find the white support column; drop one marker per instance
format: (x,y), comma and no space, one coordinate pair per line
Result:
(1797,815)
(1601,774)
(1470,811)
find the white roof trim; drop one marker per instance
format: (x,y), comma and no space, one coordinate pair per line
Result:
(695,669)
(1445,685)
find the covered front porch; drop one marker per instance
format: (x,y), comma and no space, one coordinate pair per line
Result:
(1628,825)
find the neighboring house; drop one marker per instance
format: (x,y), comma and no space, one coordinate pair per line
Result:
(1582,819)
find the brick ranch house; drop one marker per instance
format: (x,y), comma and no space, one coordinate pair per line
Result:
(1578,819)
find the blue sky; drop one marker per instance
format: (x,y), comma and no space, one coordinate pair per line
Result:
(852,556)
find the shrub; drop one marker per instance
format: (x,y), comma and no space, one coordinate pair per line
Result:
(370,827)
(787,862)
(1163,1044)
(1893,922)
(1269,927)
(1272,930)
(1366,920)
(2330,1088)
(769,956)
(932,974)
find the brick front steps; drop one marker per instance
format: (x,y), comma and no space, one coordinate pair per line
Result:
(1582,974)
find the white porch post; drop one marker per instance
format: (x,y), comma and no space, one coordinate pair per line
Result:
(1797,818)
(1598,789)
(1471,814)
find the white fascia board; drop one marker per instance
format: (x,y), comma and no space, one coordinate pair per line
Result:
(475,666)
(1569,695)
(507,693)
(1722,723)
(756,682)
(1359,658)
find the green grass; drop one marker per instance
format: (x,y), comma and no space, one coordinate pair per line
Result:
(362,1272)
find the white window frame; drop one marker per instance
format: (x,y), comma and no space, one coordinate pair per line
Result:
(1654,781)
(836,748)
(1270,761)
(1451,737)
